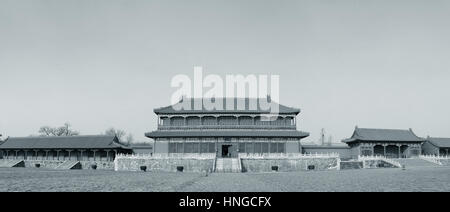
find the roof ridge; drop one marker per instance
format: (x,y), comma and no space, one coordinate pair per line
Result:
(70,136)
(440,137)
(383,129)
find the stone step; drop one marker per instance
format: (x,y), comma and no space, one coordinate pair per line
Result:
(7,163)
(69,165)
(227,165)
(415,162)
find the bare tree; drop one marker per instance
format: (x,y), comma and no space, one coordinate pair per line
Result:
(46,131)
(129,139)
(64,130)
(117,132)
(123,137)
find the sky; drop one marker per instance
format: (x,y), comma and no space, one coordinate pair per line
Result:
(109,63)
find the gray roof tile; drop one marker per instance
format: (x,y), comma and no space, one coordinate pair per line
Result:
(63,142)
(366,134)
(170,110)
(440,142)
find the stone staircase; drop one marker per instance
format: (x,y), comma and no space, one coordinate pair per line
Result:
(351,165)
(69,165)
(11,163)
(228,165)
(415,162)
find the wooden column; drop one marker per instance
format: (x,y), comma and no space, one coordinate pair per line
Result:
(384,150)
(373,149)
(399,150)
(94,153)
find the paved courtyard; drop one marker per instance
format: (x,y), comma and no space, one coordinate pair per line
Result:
(415,179)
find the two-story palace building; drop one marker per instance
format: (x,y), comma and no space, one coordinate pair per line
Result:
(226,132)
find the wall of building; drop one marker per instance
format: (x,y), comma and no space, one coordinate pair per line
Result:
(53,164)
(164,164)
(142,149)
(354,151)
(429,149)
(288,165)
(293,146)
(263,145)
(161,146)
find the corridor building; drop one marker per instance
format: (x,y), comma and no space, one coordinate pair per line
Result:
(79,148)
(392,143)
(436,146)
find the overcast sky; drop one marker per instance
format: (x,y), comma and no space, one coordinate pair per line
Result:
(100,64)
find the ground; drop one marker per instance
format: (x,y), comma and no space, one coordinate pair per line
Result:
(393,179)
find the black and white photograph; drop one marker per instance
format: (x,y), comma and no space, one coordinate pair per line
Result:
(224,96)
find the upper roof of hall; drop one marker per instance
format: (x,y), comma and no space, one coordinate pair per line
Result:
(229,106)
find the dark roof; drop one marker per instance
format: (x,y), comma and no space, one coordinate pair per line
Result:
(440,142)
(63,142)
(236,133)
(141,146)
(366,134)
(258,110)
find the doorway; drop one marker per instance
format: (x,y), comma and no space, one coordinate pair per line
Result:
(226,151)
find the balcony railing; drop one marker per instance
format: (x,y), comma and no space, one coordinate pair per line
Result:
(287,155)
(201,127)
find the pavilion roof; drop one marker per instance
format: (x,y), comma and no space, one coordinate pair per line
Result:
(393,135)
(63,142)
(439,142)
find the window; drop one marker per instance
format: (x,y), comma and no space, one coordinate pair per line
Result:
(257,147)
(204,147)
(195,147)
(249,147)
(212,147)
(241,147)
(281,147)
(172,147)
(273,147)
(180,148)
(188,147)
(264,147)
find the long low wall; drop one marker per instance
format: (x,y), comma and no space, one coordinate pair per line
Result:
(288,164)
(164,164)
(53,164)
(372,164)
(343,151)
